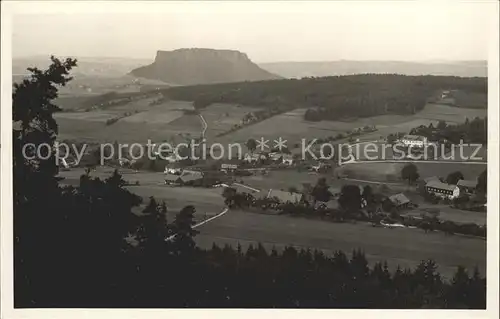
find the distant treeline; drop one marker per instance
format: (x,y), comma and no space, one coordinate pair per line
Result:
(335,97)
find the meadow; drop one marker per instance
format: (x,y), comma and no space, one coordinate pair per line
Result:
(292,126)
(138,122)
(404,247)
(222,117)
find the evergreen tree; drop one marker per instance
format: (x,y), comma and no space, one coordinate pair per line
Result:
(182,227)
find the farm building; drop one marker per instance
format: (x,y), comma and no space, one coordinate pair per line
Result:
(253,157)
(172,170)
(225,167)
(287,159)
(442,190)
(468,186)
(399,200)
(423,182)
(275,156)
(185,178)
(191,179)
(414,140)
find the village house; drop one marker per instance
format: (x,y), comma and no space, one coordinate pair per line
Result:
(468,186)
(400,201)
(172,170)
(287,159)
(187,177)
(253,157)
(422,183)
(226,168)
(442,190)
(191,179)
(414,141)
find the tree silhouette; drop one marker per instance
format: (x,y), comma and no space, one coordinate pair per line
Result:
(182,227)
(441,125)
(410,173)
(350,198)
(482,182)
(320,191)
(251,145)
(454,177)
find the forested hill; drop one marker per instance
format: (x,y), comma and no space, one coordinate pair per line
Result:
(334,97)
(347,67)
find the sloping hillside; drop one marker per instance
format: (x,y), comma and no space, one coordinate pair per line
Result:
(333,98)
(202,66)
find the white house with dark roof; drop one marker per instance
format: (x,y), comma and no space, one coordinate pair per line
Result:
(414,140)
(442,190)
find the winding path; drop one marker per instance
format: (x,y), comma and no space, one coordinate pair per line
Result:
(205,126)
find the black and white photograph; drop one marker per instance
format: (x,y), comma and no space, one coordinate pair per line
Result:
(293,155)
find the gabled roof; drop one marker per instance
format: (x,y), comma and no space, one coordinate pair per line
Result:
(191,176)
(467,183)
(399,199)
(172,177)
(431,178)
(439,185)
(190,172)
(413,138)
(228,165)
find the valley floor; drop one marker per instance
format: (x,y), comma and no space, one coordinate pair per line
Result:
(404,247)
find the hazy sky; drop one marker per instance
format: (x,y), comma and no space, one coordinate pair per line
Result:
(265,31)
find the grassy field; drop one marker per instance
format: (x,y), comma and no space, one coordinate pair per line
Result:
(289,125)
(207,201)
(292,126)
(167,120)
(391,172)
(405,247)
(450,113)
(222,117)
(163,122)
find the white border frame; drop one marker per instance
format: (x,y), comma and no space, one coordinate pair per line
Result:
(8,8)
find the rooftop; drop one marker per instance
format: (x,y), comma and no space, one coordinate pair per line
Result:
(172,177)
(431,178)
(413,138)
(439,185)
(399,199)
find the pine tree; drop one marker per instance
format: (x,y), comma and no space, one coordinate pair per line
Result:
(182,227)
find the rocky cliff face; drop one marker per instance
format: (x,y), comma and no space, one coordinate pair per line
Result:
(202,66)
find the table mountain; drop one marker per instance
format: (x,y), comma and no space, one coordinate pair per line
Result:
(202,66)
